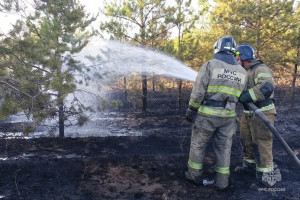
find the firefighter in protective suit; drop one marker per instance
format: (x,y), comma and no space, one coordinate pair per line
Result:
(216,91)
(254,133)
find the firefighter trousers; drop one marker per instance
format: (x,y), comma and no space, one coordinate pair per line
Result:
(254,133)
(221,130)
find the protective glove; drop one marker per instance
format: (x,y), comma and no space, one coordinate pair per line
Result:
(241,99)
(245,106)
(191,115)
(245,97)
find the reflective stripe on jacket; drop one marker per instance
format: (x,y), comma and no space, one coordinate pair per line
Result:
(218,81)
(261,85)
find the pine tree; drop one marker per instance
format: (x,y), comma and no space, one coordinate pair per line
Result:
(39,52)
(261,24)
(184,20)
(293,44)
(141,22)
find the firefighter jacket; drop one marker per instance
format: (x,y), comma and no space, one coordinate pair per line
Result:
(260,88)
(218,86)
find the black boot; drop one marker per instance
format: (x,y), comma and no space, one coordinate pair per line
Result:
(246,168)
(197,181)
(222,182)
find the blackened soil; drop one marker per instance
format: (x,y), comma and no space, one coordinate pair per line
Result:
(144,167)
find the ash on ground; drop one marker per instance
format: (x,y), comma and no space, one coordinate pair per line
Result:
(148,166)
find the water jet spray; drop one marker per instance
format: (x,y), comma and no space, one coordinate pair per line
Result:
(112,58)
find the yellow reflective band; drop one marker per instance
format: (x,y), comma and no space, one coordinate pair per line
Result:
(194,165)
(252,94)
(249,160)
(266,75)
(194,104)
(224,89)
(247,112)
(264,169)
(216,112)
(265,108)
(268,107)
(222,170)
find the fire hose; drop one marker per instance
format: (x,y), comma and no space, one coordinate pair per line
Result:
(286,147)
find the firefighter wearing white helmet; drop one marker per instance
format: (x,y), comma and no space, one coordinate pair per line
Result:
(254,132)
(216,91)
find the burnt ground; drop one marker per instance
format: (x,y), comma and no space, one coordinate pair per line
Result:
(139,167)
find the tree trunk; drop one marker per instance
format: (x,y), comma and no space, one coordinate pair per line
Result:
(294,81)
(295,77)
(61,117)
(125,89)
(144,74)
(258,30)
(180,57)
(179,94)
(144,89)
(296,68)
(153,82)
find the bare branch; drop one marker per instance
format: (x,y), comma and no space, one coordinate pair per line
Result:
(9,85)
(33,66)
(130,20)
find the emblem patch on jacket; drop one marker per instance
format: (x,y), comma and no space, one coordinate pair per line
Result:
(227,74)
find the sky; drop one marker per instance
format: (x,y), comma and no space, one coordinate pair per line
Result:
(92,6)
(8,19)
